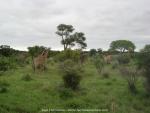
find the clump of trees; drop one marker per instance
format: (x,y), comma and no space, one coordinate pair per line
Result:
(6,51)
(94,52)
(7,60)
(70,39)
(144,64)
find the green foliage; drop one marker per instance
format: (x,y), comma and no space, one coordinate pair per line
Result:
(72,79)
(22,59)
(105,74)
(36,50)
(93,52)
(3,87)
(123,59)
(99,63)
(69,54)
(26,77)
(6,51)
(100,51)
(30,97)
(131,75)
(122,45)
(80,39)
(65,93)
(6,63)
(69,40)
(71,74)
(115,64)
(144,63)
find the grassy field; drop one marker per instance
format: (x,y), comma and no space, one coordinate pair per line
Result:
(44,91)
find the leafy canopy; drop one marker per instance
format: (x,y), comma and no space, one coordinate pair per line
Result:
(122,45)
(68,38)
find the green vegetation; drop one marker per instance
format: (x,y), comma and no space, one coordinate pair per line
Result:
(122,45)
(45,91)
(144,63)
(75,79)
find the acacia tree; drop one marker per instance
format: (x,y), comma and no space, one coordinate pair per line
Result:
(64,31)
(122,45)
(68,39)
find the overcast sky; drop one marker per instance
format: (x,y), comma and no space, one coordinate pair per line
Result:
(26,23)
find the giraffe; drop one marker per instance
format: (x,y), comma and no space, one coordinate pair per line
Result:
(40,60)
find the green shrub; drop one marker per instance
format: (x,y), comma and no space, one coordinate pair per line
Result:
(144,64)
(73,55)
(65,93)
(26,77)
(71,74)
(105,74)
(99,63)
(115,64)
(3,89)
(123,59)
(3,86)
(4,64)
(131,75)
(72,79)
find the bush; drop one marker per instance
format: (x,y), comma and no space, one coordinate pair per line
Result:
(71,74)
(115,64)
(26,77)
(130,74)
(123,59)
(4,64)
(72,79)
(73,55)
(3,87)
(99,63)
(65,93)
(105,74)
(144,64)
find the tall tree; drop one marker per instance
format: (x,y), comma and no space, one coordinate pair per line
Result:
(64,31)
(68,38)
(122,45)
